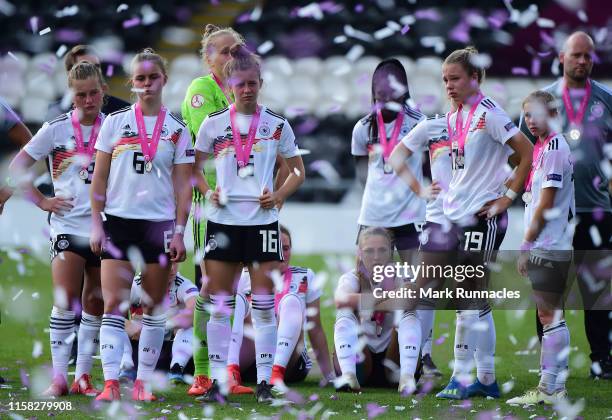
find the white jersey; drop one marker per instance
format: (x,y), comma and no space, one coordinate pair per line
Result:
(432,135)
(486,156)
(55,141)
(132,192)
(555,171)
(273,136)
(181,289)
(349,283)
(387,200)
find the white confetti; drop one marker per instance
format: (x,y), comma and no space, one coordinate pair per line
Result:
(354,33)
(595,236)
(265,47)
(35,295)
(45,31)
(122,7)
(302,152)
(582,16)
(482,60)
(7,8)
(512,339)
(312,10)
(17,295)
(256,14)
(297,172)
(61,51)
(37,350)
(399,408)
(13,56)
(545,23)
(67,11)
(552,214)
(355,52)
(383,33)
(340,39)
(507,386)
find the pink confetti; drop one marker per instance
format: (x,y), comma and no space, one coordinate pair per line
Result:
(428,14)
(131,22)
(359,8)
(535,66)
(520,70)
(374,410)
(34,24)
(405,29)
(440,340)
(25,381)
(109,70)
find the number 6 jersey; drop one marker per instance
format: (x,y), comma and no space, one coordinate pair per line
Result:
(132,192)
(55,140)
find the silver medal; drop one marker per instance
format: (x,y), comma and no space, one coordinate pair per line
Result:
(574,134)
(83,174)
(149,166)
(387,168)
(527,197)
(460,160)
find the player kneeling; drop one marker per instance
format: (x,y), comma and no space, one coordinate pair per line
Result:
(380,339)
(297,308)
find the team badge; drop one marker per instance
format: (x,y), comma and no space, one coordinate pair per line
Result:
(527,197)
(63,244)
(197,100)
(83,174)
(212,244)
(264,130)
(149,166)
(164,131)
(597,110)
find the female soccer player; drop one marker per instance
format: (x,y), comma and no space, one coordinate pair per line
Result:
(482,136)
(296,304)
(68,142)
(141,195)
(547,244)
(205,95)
(242,225)
(375,250)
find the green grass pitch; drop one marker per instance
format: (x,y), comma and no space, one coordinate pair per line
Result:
(25,303)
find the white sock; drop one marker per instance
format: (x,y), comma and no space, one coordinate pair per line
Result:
(465,343)
(240,313)
(554,354)
(264,325)
(150,345)
(61,336)
(346,340)
(426,317)
(291,321)
(182,347)
(409,337)
(485,347)
(127,362)
(111,345)
(219,333)
(87,344)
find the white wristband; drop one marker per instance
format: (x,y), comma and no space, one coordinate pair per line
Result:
(180,229)
(208,194)
(511,194)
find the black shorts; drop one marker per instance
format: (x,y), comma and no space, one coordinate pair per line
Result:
(245,244)
(73,243)
(485,236)
(404,237)
(152,239)
(435,238)
(378,375)
(548,275)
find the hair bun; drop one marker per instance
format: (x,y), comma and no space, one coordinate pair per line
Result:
(239,51)
(210,29)
(148,50)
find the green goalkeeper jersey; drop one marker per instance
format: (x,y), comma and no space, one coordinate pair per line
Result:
(204,96)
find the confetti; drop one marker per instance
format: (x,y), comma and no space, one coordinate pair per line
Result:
(582,16)
(17,295)
(37,350)
(265,47)
(122,7)
(520,70)
(131,23)
(45,31)
(545,23)
(61,51)
(354,53)
(67,11)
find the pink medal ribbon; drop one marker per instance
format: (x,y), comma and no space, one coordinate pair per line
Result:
(379,318)
(286,284)
(388,145)
(458,136)
(149,150)
(243,154)
(80,141)
(538,154)
(575,119)
(221,86)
